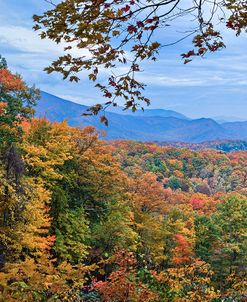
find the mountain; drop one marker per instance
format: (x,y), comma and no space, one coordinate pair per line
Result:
(148,112)
(222,145)
(152,125)
(57,109)
(50,102)
(226,119)
(237,129)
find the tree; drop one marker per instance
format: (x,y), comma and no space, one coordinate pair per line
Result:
(75,225)
(29,271)
(149,206)
(26,244)
(115,230)
(206,236)
(107,31)
(231,221)
(71,236)
(124,284)
(188,283)
(16,102)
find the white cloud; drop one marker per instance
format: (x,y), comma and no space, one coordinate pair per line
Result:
(26,40)
(205,78)
(217,69)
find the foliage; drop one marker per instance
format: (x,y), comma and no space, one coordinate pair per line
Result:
(123,284)
(16,101)
(121,34)
(188,283)
(71,236)
(86,220)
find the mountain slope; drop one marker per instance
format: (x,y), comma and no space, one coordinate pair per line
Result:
(237,129)
(142,127)
(148,112)
(49,102)
(57,109)
(221,145)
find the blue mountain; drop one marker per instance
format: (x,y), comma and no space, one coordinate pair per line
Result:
(150,125)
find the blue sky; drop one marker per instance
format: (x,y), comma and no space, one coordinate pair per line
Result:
(209,87)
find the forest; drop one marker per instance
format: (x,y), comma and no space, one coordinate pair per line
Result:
(82,219)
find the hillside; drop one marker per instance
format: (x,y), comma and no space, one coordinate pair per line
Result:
(148,112)
(88,220)
(152,125)
(222,145)
(237,129)
(93,219)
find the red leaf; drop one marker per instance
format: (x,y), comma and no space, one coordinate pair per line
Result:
(132,29)
(108,95)
(126,8)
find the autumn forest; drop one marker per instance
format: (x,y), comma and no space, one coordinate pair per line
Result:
(82,219)
(85,218)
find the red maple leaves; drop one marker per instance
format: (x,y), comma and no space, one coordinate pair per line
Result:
(9,82)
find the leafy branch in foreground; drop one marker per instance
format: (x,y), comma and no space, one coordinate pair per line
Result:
(118,35)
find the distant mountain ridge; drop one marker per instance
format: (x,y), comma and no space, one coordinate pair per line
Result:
(151,125)
(148,112)
(222,145)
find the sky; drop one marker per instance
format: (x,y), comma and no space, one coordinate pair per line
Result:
(215,86)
